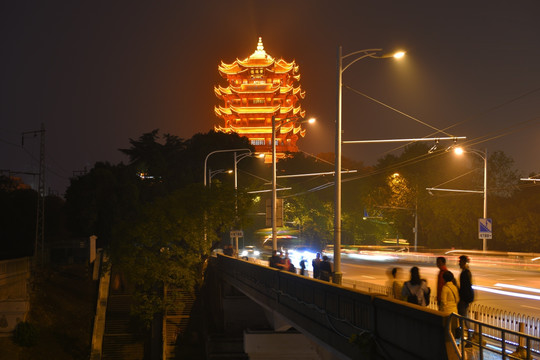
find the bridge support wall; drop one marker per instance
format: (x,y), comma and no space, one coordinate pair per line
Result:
(350,324)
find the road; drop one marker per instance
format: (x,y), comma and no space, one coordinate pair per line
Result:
(487,279)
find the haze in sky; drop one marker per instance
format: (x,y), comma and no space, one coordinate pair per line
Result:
(98,73)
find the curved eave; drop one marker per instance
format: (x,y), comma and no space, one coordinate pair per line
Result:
(254,89)
(221,91)
(255,109)
(286,109)
(221,111)
(256,62)
(298,92)
(283,66)
(286,89)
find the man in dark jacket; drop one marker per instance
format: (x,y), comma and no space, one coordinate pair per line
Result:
(466,292)
(326,269)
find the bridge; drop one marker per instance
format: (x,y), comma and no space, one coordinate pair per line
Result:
(339,322)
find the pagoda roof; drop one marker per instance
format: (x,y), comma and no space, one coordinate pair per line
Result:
(257,60)
(255,109)
(286,129)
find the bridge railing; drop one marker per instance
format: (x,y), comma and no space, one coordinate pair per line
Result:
(485,341)
(352,321)
(496,318)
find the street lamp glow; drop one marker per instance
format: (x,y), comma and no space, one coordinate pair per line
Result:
(458,151)
(399,54)
(311,121)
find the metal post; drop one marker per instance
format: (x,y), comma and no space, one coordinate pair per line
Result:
(484,245)
(337,177)
(235,176)
(416,225)
(274,189)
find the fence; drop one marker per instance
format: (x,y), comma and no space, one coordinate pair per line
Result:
(483,341)
(494,321)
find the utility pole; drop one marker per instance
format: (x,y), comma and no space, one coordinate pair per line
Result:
(39,244)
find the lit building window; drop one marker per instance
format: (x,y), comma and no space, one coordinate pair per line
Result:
(255,142)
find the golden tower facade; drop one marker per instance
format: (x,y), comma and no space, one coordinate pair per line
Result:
(260,87)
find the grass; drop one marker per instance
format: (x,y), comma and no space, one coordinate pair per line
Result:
(62,307)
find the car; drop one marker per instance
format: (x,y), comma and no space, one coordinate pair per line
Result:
(250,252)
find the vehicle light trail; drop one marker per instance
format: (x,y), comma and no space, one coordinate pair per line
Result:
(517,287)
(507,293)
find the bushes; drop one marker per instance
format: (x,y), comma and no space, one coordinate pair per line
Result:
(25,334)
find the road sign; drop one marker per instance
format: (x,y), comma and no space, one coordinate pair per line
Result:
(485,229)
(237,233)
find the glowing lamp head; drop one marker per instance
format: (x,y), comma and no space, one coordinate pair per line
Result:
(399,55)
(458,150)
(311,121)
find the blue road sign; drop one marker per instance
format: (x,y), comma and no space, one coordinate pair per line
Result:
(485,228)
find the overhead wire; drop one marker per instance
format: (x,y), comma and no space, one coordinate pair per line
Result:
(496,134)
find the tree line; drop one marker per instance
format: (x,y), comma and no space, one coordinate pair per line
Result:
(161,224)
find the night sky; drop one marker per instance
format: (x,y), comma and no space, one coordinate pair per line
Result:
(97,73)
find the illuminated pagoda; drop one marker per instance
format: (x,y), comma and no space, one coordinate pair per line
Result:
(259,87)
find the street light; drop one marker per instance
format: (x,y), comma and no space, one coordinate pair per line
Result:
(218,151)
(237,159)
(362,54)
(483,156)
(212,173)
(274,188)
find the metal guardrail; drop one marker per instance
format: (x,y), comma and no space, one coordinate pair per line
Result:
(485,341)
(496,324)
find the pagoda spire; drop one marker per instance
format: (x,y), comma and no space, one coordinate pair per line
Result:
(259,53)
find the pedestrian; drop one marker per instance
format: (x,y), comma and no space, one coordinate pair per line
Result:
(416,290)
(286,263)
(228,250)
(441,264)
(316,264)
(274,260)
(395,284)
(303,266)
(466,292)
(449,298)
(325,268)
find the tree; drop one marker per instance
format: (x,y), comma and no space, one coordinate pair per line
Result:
(167,243)
(97,200)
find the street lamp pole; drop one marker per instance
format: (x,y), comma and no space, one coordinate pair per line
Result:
(484,242)
(274,176)
(337,177)
(218,151)
(274,188)
(336,278)
(484,156)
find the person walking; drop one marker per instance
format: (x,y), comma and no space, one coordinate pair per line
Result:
(416,290)
(326,269)
(441,264)
(466,292)
(303,266)
(396,285)
(316,264)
